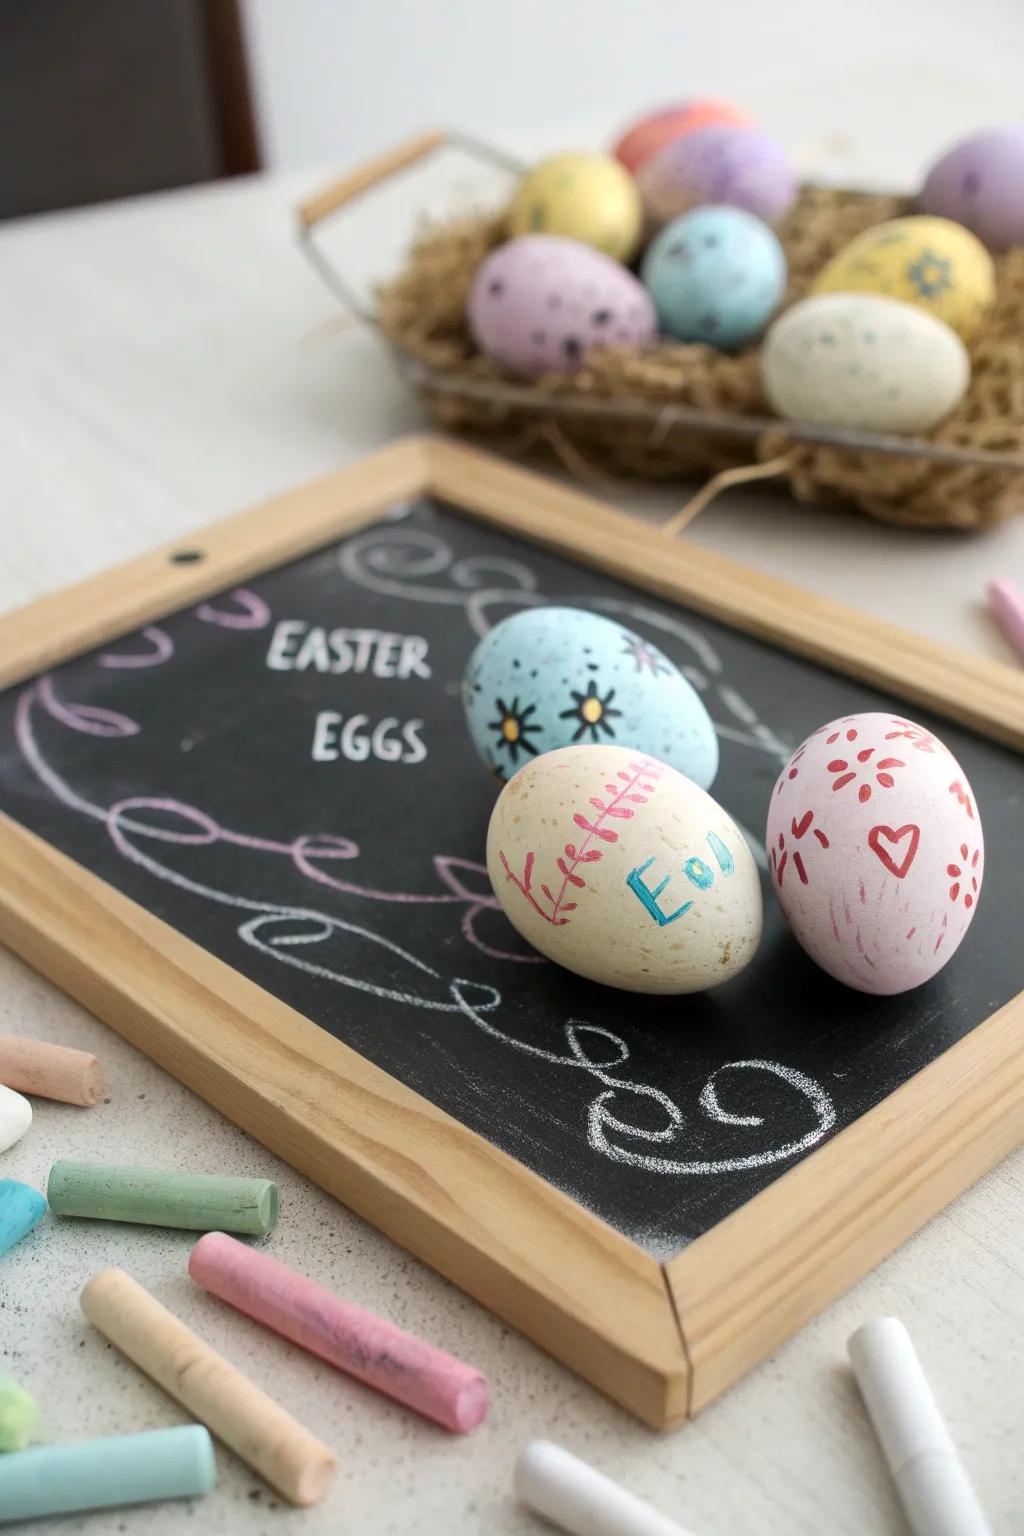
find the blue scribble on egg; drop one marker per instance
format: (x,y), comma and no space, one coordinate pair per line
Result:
(557,677)
(715,275)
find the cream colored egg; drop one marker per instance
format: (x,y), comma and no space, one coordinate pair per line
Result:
(932,263)
(591,198)
(854,360)
(616,866)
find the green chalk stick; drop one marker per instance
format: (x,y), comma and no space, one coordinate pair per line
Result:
(17,1415)
(201,1202)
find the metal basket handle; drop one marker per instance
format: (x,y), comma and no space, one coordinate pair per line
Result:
(338,194)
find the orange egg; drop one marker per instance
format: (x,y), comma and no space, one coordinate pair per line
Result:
(651,133)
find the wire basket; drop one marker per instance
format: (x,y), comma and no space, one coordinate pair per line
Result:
(677,411)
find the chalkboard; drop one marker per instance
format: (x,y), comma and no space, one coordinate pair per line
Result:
(281,772)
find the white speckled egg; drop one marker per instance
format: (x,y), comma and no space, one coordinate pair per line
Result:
(587,197)
(715,275)
(722,163)
(616,866)
(856,360)
(555,677)
(538,304)
(876,851)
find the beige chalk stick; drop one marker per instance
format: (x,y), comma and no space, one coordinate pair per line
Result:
(50,1071)
(273,1443)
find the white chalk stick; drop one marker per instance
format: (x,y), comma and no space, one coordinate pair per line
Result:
(937,1497)
(15,1117)
(584,1502)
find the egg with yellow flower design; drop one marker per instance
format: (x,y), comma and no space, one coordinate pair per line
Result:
(585,197)
(550,677)
(932,263)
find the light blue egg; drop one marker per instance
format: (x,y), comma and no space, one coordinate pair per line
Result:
(715,275)
(557,677)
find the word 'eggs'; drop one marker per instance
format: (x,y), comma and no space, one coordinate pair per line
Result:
(538,304)
(617,867)
(585,197)
(876,851)
(980,183)
(934,264)
(557,677)
(719,164)
(855,360)
(715,275)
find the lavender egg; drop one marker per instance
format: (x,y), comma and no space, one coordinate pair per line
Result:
(539,303)
(980,183)
(722,163)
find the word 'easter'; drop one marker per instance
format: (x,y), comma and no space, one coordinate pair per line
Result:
(353,739)
(295,646)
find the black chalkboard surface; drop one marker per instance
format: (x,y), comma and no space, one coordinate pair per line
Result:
(283,773)
(241,820)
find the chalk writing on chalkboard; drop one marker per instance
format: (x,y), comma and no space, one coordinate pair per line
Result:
(408,563)
(281,931)
(264,793)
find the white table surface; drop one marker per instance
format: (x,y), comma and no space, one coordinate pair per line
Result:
(157,372)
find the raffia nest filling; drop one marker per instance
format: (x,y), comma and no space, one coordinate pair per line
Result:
(423,313)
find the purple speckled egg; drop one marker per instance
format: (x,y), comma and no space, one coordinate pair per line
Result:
(980,183)
(538,303)
(741,167)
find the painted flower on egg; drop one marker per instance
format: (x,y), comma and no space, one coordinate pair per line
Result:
(514,728)
(552,677)
(592,712)
(930,275)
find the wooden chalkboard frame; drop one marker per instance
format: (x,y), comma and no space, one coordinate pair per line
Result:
(661,1339)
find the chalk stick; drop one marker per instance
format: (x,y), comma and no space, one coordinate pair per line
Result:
(1006,605)
(201,1202)
(21,1208)
(15,1117)
(933,1486)
(50,1071)
(18,1415)
(100,1474)
(366,1346)
(577,1498)
(291,1459)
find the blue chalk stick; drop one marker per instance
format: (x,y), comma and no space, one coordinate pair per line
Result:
(21,1208)
(99,1474)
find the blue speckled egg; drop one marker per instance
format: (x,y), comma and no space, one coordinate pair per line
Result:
(555,677)
(715,275)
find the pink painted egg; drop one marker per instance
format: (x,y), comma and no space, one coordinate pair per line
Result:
(649,134)
(876,851)
(539,303)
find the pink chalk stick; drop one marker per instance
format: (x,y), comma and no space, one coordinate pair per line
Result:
(366,1346)
(1006,604)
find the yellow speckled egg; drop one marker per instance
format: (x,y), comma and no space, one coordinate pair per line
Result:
(591,198)
(932,263)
